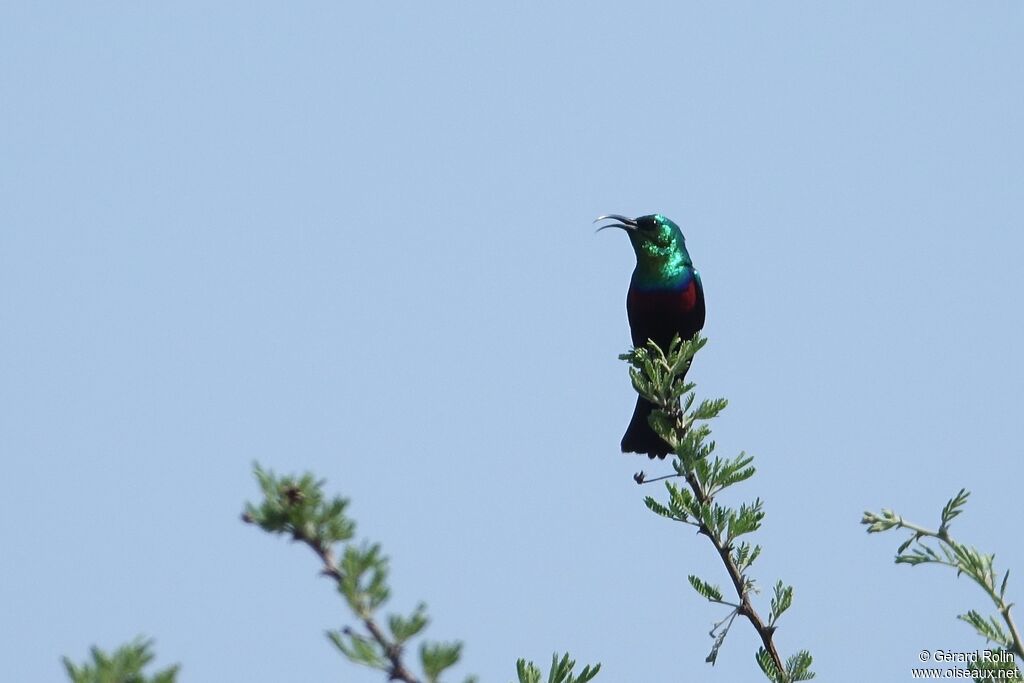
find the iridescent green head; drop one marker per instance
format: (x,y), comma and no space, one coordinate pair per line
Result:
(660,248)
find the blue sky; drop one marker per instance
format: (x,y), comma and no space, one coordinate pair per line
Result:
(355,238)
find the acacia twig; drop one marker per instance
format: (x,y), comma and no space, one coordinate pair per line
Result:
(953,546)
(746,607)
(393,651)
(397,671)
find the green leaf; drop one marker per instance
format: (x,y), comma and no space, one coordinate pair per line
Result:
(746,520)
(657,508)
(364,571)
(767,664)
(744,555)
(588,673)
(296,506)
(781,601)
(359,649)
(705,589)
(663,425)
(990,629)
(125,664)
(906,544)
(402,629)
(710,408)
(725,473)
(527,671)
(681,502)
(798,667)
(880,522)
(706,515)
(561,671)
(436,657)
(954,506)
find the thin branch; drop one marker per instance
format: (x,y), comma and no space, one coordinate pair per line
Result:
(746,608)
(943,537)
(704,498)
(1018,645)
(397,671)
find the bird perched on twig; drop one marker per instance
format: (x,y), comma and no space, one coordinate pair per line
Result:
(665,298)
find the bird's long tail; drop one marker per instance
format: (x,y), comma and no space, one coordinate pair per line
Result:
(639,437)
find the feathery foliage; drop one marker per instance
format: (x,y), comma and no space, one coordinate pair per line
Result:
(296,506)
(938,547)
(125,665)
(659,375)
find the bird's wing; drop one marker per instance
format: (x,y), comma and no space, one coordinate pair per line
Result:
(700,300)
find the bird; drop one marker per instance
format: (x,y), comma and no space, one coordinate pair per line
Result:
(665,298)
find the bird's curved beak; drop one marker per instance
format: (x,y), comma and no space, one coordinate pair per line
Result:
(628,224)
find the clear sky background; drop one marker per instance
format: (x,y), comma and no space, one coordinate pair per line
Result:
(355,238)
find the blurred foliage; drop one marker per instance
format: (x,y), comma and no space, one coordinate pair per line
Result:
(125,665)
(297,507)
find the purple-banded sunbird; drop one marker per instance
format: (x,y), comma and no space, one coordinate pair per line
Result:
(665,298)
